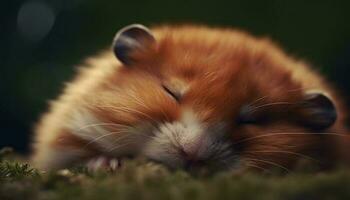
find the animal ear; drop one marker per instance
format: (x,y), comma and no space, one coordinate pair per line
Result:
(318,111)
(131,39)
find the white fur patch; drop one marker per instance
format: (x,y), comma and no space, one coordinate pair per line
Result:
(187,135)
(121,140)
(86,126)
(189,129)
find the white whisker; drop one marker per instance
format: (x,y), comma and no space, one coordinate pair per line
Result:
(288,91)
(270,163)
(126,109)
(102,124)
(286,152)
(256,166)
(121,145)
(284,133)
(103,136)
(270,104)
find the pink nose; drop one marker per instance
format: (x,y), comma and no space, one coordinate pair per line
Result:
(190,151)
(190,156)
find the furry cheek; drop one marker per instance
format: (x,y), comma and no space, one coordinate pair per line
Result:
(189,143)
(111,138)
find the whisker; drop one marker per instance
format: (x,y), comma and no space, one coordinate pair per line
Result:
(288,91)
(271,163)
(119,146)
(102,124)
(103,136)
(131,134)
(140,103)
(297,133)
(258,167)
(286,152)
(131,110)
(257,100)
(271,104)
(141,134)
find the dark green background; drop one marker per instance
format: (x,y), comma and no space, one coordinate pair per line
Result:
(34,68)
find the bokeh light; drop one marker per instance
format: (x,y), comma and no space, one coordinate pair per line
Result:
(35,20)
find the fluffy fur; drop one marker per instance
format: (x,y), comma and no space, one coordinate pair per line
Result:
(120,111)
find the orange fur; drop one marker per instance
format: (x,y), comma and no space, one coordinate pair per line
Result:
(220,69)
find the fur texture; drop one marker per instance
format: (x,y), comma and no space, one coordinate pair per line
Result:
(118,111)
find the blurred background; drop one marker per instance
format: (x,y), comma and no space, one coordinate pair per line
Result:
(42,40)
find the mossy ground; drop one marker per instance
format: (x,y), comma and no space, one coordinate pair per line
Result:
(141,180)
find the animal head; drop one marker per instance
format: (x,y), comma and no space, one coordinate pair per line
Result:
(192,96)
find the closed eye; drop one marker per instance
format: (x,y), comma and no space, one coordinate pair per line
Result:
(173,94)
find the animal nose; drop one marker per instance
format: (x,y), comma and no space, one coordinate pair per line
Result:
(191,158)
(189,152)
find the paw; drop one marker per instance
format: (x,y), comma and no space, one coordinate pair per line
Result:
(103,163)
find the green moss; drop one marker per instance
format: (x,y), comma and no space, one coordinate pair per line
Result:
(142,180)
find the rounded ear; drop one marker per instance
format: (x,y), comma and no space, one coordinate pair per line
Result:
(130,39)
(318,110)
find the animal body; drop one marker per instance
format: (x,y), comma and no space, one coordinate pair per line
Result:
(193,96)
